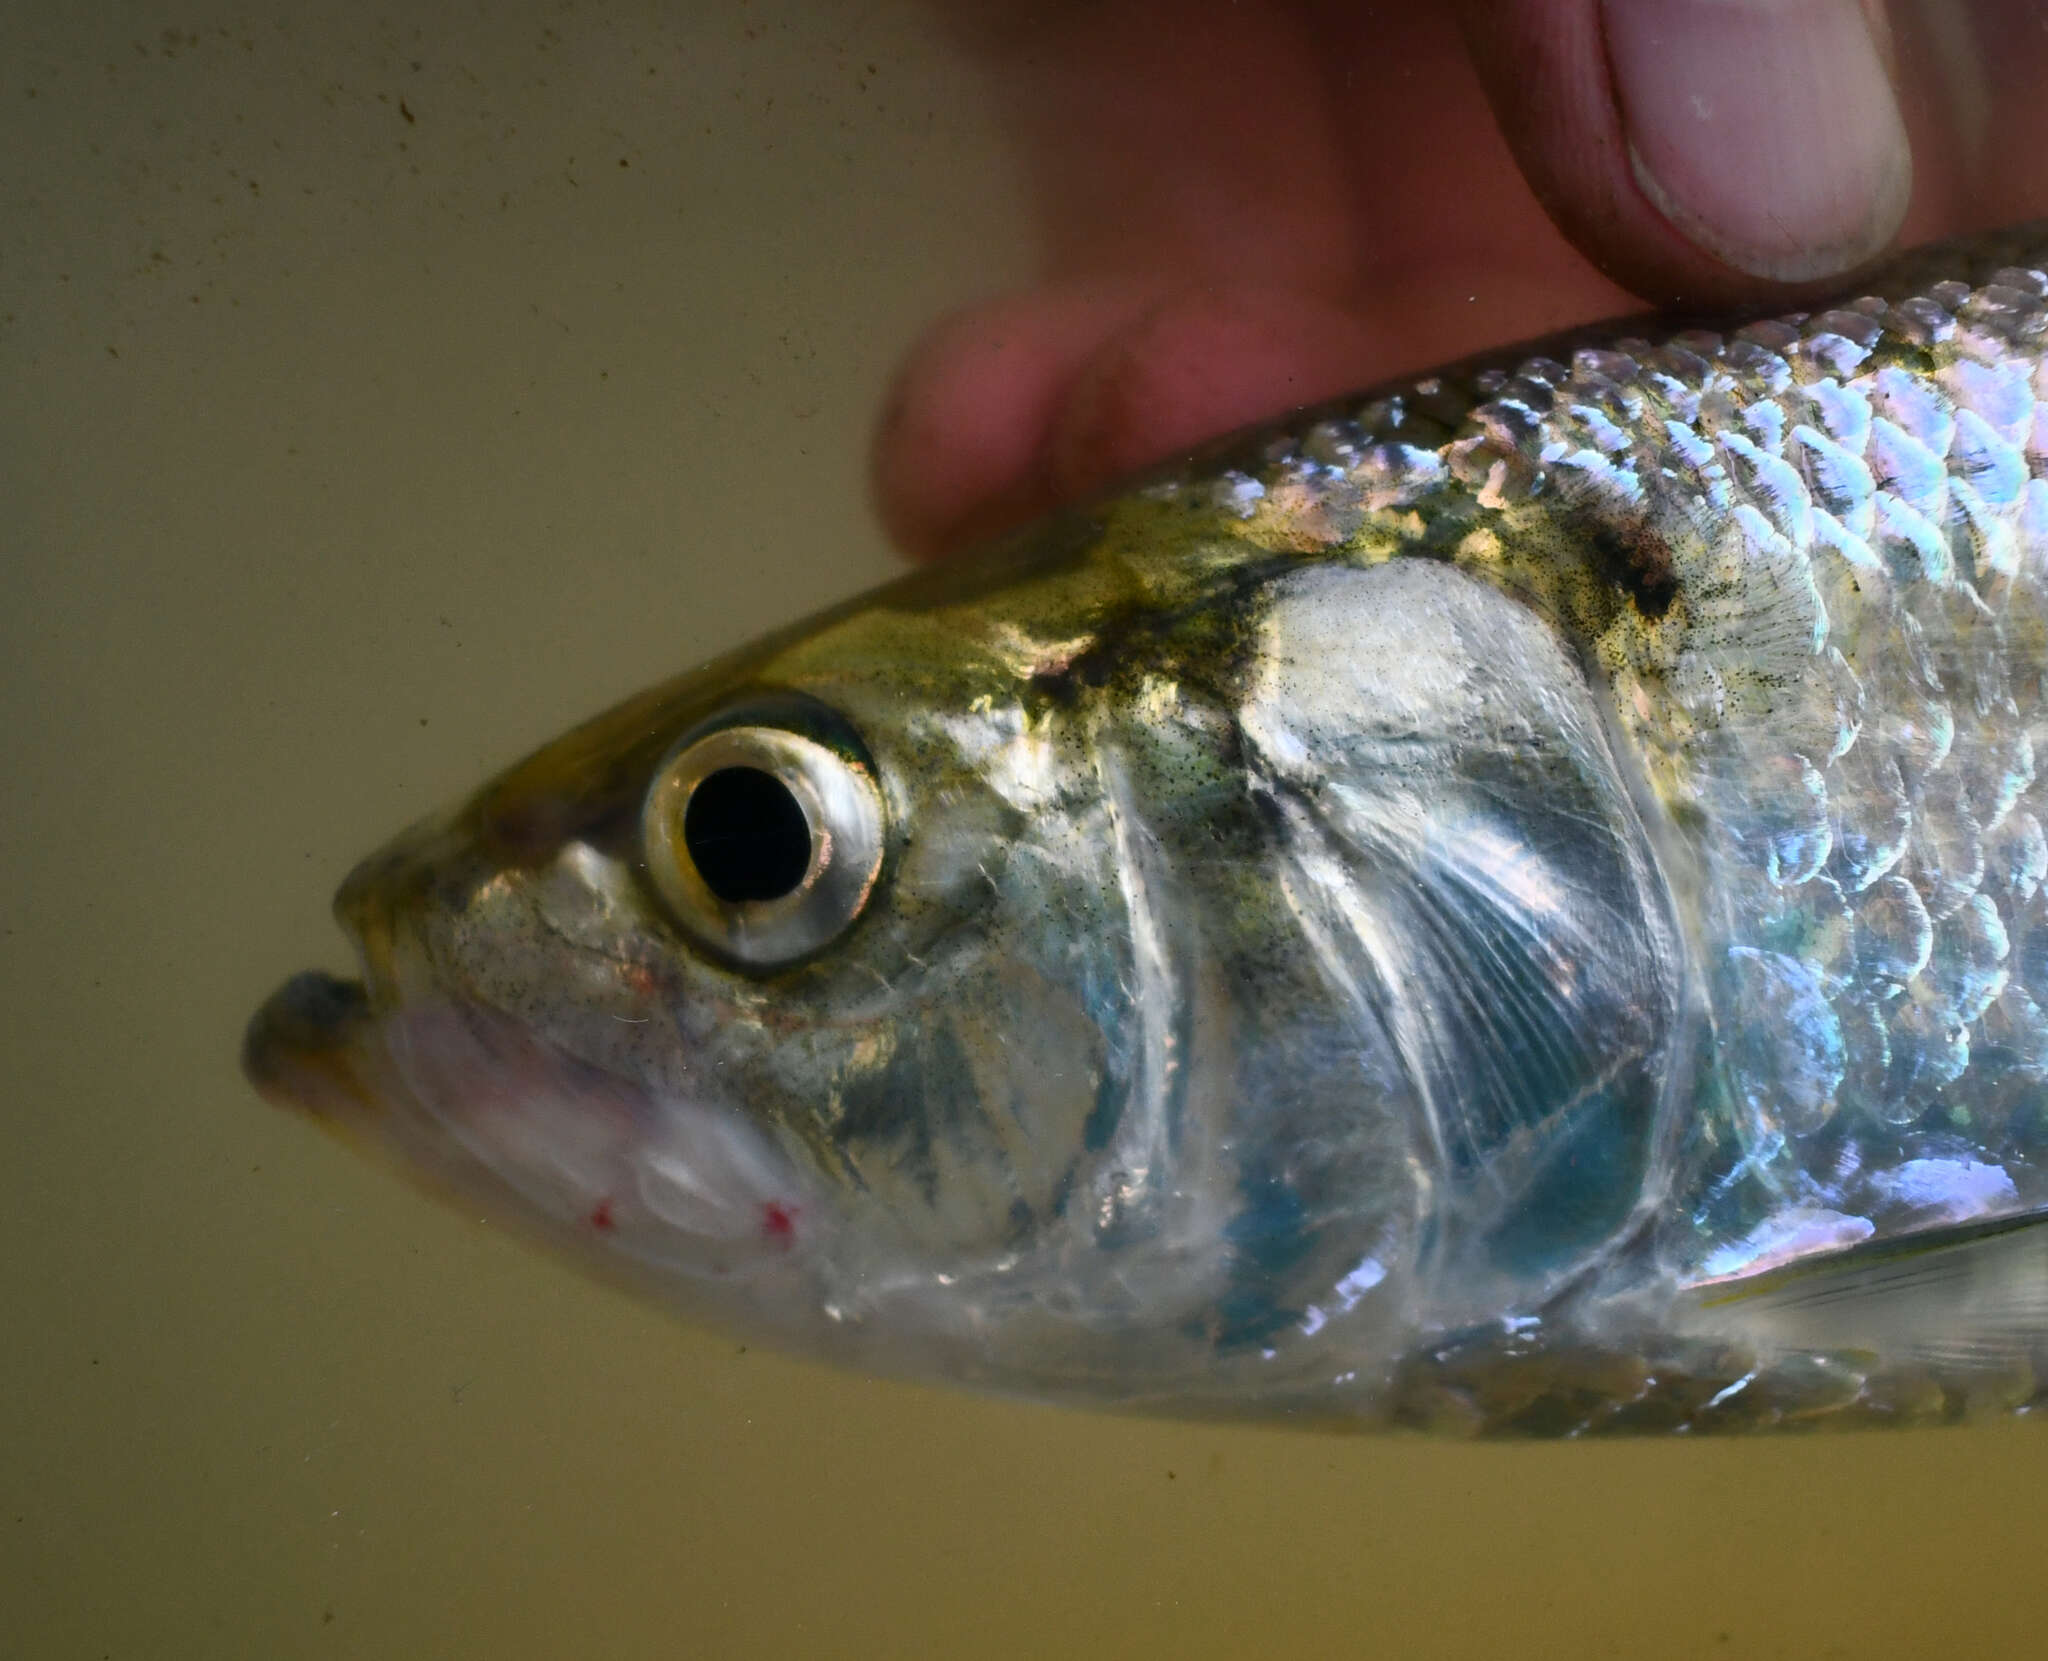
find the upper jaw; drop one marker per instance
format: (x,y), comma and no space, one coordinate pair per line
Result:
(319,1042)
(315,1043)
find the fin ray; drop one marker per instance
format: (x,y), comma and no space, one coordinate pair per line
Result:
(1973,1298)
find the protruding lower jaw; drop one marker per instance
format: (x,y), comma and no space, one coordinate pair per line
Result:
(310,1047)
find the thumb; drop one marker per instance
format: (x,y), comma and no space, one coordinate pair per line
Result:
(1702,149)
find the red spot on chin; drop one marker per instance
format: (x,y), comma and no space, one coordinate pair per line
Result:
(601,1216)
(778,1221)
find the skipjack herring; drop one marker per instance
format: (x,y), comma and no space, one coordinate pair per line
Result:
(1512,904)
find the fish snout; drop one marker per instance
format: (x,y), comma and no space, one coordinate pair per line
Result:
(372,898)
(315,1044)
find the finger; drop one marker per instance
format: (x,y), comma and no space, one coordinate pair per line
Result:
(960,450)
(1009,410)
(1197,365)
(1702,149)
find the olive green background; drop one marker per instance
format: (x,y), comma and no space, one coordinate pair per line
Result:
(380,391)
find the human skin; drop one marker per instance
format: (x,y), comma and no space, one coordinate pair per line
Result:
(1248,207)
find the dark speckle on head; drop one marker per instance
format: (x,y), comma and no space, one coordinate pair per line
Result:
(1085,671)
(1636,560)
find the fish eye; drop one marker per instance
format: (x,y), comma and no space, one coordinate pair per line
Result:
(764,843)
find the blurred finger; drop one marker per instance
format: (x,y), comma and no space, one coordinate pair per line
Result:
(959,452)
(1008,410)
(1195,366)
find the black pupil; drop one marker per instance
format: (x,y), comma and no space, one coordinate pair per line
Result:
(747,835)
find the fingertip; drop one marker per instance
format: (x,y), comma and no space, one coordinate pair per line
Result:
(959,448)
(1697,151)
(1770,136)
(1196,366)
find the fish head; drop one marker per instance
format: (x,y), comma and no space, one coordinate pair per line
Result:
(1055,981)
(799,991)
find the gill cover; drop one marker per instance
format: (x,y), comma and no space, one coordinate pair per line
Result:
(1465,859)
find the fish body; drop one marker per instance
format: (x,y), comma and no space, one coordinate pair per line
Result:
(1511,904)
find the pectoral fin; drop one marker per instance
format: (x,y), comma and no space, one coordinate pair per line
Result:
(1971,1298)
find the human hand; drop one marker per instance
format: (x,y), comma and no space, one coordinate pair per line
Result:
(1248,207)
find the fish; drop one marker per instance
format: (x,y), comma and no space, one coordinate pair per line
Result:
(1511,904)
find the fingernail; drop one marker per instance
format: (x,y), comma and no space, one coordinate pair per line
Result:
(1765,131)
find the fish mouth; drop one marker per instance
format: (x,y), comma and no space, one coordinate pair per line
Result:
(423,1064)
(467,1105)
